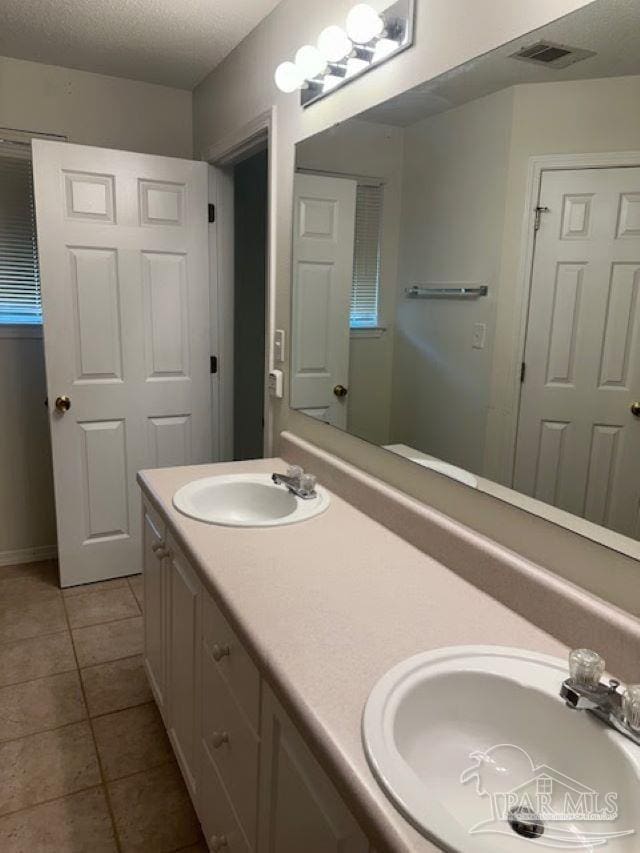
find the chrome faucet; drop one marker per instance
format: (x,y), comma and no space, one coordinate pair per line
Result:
(301,484)
(614,704)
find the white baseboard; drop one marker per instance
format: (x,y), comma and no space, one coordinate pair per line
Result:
(28,555)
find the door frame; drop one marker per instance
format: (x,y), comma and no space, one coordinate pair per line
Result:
(537,166)
(224,154)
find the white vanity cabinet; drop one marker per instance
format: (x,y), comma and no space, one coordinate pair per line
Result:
(253,781)
(183,664)
(155,602)
(300,810)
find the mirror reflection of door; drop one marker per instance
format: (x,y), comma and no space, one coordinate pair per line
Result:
(324,223)
(578,443)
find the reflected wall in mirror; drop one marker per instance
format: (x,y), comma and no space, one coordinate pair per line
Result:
(466,264)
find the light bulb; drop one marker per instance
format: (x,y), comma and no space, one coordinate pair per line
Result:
(310,62)
(383,48)
(364,24)
(330,82)
(355,66)
(333,44)
(288,77)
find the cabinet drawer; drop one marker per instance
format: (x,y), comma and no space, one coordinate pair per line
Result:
(221,829)
(155,519)
(232,661)
(231,745)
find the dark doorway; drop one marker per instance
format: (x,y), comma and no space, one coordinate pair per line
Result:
(250,258)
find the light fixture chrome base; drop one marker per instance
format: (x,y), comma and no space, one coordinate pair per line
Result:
(399,19)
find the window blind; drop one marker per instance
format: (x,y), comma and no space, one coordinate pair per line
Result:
(19,276)
(366,262)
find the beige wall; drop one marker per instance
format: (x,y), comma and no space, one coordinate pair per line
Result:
(375,151)
(454,185)
(93,110)
(449,32)
(581,117)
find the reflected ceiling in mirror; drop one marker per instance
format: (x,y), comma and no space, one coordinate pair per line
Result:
(466,274)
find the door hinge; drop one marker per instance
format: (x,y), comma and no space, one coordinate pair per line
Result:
(539,211)
(213,363)
(523,370)
(212,212)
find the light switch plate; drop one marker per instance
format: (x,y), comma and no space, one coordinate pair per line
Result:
(479,335)
(279,353)
(276,383)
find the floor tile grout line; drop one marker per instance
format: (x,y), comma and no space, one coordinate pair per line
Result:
(171,760)
(37,678)
(86,719)
(105,662)
(4,643)
(50,800)
(107,621)
(80,588)
(105,788)
(120,710)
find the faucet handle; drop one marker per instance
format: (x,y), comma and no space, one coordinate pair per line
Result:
(586,668)
(295,472)
(631,706)
(308,482)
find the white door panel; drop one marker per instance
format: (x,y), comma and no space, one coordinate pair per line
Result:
(324,223)
(123,249)
(578,443)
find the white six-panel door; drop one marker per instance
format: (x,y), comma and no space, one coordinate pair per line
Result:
(123,251)
(324,225)
(578,442)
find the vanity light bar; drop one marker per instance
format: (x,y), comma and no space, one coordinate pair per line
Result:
(340,55)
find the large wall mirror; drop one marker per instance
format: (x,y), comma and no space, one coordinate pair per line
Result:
(466,264)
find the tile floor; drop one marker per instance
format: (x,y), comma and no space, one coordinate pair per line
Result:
(85,764)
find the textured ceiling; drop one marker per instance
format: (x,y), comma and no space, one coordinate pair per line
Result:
(173,42)
(611,28)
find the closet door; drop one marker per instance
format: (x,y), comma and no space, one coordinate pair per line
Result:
(124,265)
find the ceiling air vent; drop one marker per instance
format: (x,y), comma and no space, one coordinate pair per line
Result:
(552,55)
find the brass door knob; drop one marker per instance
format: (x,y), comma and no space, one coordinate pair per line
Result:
(63,404)
(635,409)
(340,391)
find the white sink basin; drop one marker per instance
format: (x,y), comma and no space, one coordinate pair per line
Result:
(246,500)
(460,737)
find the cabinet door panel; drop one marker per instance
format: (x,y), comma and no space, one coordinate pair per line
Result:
(219,823)
(154,580)
(236,667)
(299,807)
(184,657)
(230,743)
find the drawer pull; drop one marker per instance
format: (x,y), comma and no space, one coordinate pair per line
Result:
(161,553)
(217,842)
(219,651)
(157,546)
(218,739)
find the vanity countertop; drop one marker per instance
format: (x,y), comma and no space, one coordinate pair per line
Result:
(328,606)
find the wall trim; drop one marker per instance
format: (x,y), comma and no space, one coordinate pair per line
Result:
(28,555)
(241,143)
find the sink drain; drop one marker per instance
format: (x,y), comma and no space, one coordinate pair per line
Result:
(525,822)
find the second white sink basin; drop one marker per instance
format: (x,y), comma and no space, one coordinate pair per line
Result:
(246,500)
(460,738)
